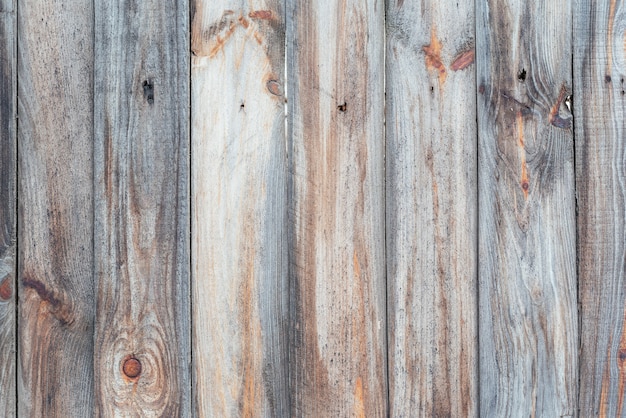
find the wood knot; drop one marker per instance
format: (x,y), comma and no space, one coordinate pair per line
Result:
(131,367)
(6,288)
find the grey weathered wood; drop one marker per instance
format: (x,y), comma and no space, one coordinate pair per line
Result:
(142,209)
(431,209)
(335,56)
(239,209)
(8,149)
(600,110)
(55,222)
(527,259)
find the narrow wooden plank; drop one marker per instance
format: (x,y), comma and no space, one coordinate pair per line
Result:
(335,64)
(600,109)
(239,209)
(431,209)
(55,222)
(8,157)
(142,336)
(527,268)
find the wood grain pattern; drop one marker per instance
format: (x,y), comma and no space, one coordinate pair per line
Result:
(8,157)
(142,337)
(335,56)
(55,214)
(431,209)
(527,274)
(239,209)
(600,109)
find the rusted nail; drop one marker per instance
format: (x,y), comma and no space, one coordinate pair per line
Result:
(132,367)
(525,186)
(6,288)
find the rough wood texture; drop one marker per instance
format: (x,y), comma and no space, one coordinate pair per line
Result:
(528,313)
(239,209)
(337,262)
(431,209)
(8,149)
(55,222)
(600,109)
(142,340)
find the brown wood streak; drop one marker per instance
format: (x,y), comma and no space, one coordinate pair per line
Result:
(527,241)
(8,93)
(431,188)
(337,357)
(141,154)
(600,112)
(55,226)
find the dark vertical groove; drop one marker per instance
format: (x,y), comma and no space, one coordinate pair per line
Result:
(17,214)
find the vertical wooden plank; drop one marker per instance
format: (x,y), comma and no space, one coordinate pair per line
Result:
(527,268)
(431,209)
(8,156)
(335,61)
(142,337)
(55,222)
(600,109)
(239,209)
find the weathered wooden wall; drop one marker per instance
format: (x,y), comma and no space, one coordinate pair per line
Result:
(319,208)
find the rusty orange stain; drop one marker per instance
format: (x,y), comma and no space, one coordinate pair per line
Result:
(258,38)
(220,42)
(6,288)
(463,60)
(520,140)
(273,87)
(609,36)
(358,397)
(433,57)
(357,266)
(605,381)
(261,14)
(244,22)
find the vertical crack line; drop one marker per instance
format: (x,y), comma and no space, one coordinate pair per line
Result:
(477,217)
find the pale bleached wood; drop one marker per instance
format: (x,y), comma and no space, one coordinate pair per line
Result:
(431,209)
(239,209)
(335,56)
(8,149)
(55,135)
(142,209)
(527,254)
(600,109)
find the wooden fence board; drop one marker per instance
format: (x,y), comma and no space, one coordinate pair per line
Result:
(600,109)
(8,156)
(431,209)
(335,56)
(142,336)
(528,312)
(55,261)
(239,209)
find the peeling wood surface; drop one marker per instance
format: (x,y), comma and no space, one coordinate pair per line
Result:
(239,209)
(600,109)
(8,167)
(142,336)
(335,68)
(527,250)
(431,210)
(55,214)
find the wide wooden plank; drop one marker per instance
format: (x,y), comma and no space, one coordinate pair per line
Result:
(431,209)
(239,209)
(600,109)
(335,56)
(142,336)
(527,269)
(55,222)
(8,157)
